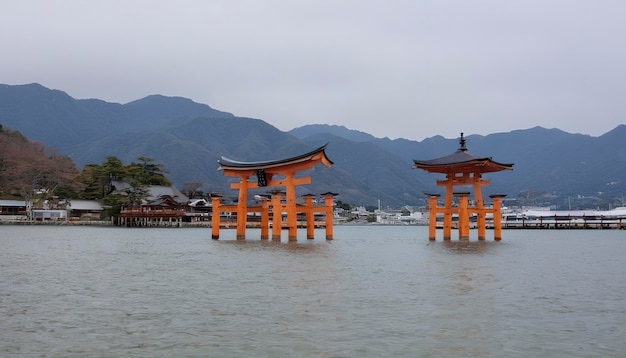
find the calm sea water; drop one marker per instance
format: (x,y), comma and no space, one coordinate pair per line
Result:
(372,292)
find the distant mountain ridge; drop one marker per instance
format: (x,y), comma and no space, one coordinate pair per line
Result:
(58,119)
(549,160)
(335,130)
(188,138)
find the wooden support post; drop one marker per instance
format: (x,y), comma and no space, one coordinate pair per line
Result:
(292,214)
(497,217)
(265,219)
(277,215)
(328,201)
(242,208)
(215,218)
(310,218)
(432,217)
(447,212)
(478,198)
(463,216)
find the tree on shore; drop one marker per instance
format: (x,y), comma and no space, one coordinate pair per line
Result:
(30,171)
(29,168)
(99,181)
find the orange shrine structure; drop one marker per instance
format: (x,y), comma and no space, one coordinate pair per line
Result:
(463,169)
(275,173)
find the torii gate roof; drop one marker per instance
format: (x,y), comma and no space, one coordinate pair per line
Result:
(461,161)
(315,156)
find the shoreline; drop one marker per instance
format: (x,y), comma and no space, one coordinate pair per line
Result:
(208,224)
(57,223)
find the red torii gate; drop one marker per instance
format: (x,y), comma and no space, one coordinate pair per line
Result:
(274,173)
(463,169)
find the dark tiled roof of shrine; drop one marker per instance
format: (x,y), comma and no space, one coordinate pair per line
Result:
(461,160)
(234,164)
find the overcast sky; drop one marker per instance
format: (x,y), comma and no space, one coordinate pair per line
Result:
(410,69)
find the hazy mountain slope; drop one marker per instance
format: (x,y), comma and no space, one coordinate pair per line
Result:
(386,176)
(547,160)
(53,117)
(189,137)
(189,149)
(156,111)
(337,131)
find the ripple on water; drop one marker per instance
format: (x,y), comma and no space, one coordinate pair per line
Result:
(373,291)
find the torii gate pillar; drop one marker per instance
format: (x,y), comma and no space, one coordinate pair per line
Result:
(497,216)
(277,214)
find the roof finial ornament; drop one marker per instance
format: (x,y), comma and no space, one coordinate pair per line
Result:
(462,142)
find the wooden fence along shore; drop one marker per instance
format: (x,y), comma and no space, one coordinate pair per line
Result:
(566,219)
(547,219)
(545,223)
(557,222)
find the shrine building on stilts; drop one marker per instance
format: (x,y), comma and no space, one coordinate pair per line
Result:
(463,169)
(277,174)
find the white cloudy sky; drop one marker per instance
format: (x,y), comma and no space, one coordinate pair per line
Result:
(410,69)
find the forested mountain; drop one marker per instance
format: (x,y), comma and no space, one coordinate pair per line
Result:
(27,167)
(188,138)
(548,162)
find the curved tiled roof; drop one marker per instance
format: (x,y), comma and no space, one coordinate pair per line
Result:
(239,165)
(461,160)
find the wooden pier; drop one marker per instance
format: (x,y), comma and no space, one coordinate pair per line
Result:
(150,217)
(161,212)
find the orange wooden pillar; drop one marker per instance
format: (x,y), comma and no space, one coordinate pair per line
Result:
(265,219)
(480,205)
(447,209)
(277,215)
(497,217)
(432,216)
(292,214)
(215,218)
(310,217)
(242,208)
(328,202)
(463,215)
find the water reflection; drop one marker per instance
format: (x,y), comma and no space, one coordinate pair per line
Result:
(467,247)
(276,245)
